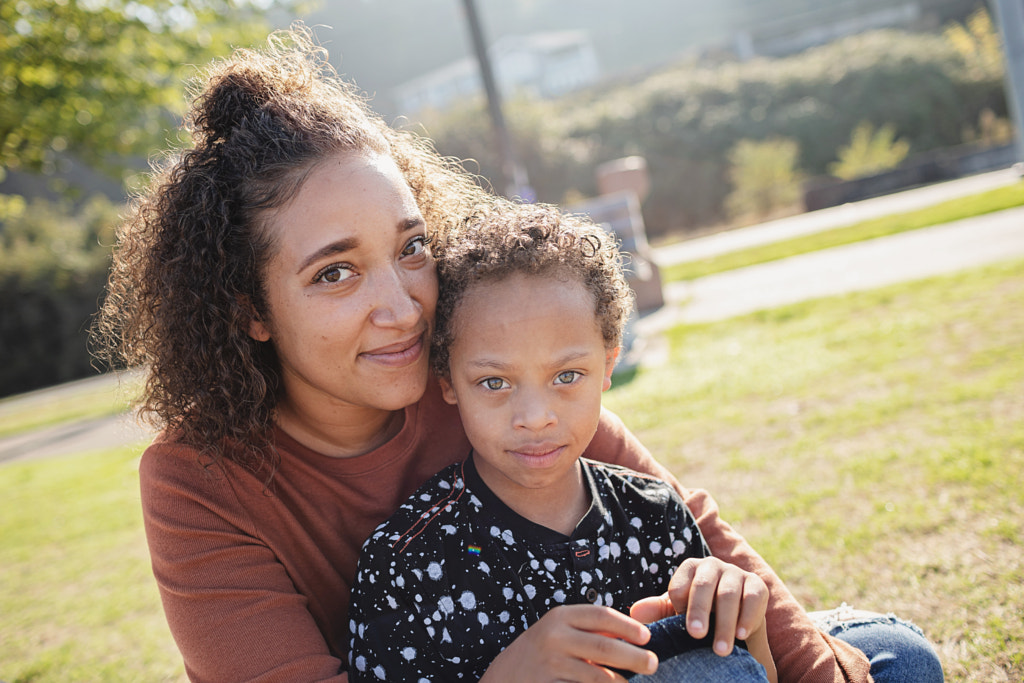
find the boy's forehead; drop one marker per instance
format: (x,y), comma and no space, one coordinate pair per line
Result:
(524,304)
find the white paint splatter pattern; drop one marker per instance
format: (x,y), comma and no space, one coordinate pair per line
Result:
(422,591)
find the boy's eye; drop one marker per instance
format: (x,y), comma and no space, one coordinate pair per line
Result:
(495,383)
(415,246)
(567,377)
(334,273)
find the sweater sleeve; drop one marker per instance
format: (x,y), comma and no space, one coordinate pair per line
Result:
(802,653)
(231,606)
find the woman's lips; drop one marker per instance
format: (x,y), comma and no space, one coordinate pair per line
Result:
(397,355)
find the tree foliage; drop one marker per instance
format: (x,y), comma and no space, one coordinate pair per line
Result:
(99,78)
(869,151)
(685,118)
(765,178)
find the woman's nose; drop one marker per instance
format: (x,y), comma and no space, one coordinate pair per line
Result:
(394,303)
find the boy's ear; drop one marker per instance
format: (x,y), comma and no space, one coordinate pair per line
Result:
(610,357)
(448,391)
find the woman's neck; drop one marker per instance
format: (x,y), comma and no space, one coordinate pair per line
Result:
(350,434)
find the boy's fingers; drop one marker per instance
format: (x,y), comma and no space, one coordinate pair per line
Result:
(703,589)
(727,609)
(649,610)
(680,584)
(753,606)
(606,622)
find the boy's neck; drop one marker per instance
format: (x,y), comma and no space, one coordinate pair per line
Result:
(559,510)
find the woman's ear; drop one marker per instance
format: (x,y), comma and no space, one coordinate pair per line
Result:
(258,329)
(610,357)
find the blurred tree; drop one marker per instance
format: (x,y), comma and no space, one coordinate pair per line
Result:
(869,151)
(765,178)
(98,78)
(977,40)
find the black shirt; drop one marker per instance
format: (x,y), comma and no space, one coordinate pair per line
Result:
(455,575)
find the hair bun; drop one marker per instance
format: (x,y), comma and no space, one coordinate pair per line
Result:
(227,103)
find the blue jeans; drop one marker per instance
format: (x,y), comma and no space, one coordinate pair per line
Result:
(897,650)
(704,666)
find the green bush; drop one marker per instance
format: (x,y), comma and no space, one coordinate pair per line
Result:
(686,118)
(53,267)
(869,151)
(764,178)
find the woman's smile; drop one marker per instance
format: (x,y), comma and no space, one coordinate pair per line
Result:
(399,354)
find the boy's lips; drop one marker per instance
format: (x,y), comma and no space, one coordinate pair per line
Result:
(540,451)
(399,354)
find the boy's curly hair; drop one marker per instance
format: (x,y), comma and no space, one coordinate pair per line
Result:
(502,241)
(187,274)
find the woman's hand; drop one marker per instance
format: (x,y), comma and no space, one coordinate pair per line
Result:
(575,643)
(739,599)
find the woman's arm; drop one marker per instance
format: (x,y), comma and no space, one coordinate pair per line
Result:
(802,653)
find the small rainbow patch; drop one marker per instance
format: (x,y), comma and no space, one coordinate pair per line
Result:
(473,549)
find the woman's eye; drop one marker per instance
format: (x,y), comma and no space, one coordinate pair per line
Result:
(415,247)
(495,383)
(334,273)
(567,377)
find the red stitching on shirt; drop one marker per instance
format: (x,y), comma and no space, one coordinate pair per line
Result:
(440,509)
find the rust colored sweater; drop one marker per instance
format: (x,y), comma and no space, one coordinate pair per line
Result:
(255,579)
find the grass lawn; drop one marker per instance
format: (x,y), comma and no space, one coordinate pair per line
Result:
(77,596)
(870,446)
(957,209)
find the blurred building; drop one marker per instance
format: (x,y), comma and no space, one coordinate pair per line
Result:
(776,28)
(541,65)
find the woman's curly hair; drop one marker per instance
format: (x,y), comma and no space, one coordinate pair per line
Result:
(187,274)
(501,241)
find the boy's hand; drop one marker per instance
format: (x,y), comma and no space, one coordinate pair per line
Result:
(575,643)
(739,599)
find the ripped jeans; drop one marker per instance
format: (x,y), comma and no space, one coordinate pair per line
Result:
(897,650)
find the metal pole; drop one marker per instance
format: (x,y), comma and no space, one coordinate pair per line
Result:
(513,175)
(1010,17)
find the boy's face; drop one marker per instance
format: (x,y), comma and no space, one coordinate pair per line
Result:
(528,366)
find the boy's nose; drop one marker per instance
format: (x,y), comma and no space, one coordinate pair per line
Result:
(533,412)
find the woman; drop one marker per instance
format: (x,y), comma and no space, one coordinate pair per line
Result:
(277,281)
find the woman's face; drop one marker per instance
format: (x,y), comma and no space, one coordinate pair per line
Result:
(350,290)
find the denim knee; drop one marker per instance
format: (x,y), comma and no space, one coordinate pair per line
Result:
(704,666)
(897,650)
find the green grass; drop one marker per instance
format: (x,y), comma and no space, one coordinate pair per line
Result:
(870,446)
(76,592)
(953,210)
(74,402)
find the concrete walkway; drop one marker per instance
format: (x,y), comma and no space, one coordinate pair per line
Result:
(864,265)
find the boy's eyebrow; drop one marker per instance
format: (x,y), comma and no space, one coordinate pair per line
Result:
(568,357)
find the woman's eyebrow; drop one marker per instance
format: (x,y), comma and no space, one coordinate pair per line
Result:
(411,224)
(337,247)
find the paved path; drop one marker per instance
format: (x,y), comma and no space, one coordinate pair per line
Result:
(854,267)
(864,265)
(834,217)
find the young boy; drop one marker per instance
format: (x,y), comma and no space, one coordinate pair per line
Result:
(524,535)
